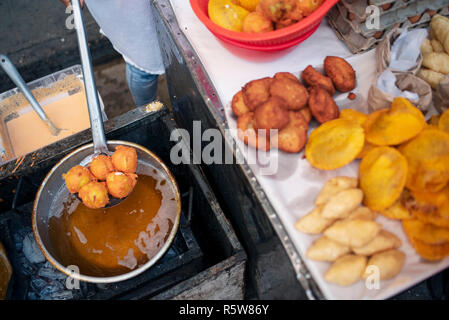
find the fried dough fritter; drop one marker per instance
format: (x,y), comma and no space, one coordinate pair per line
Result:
(119,184)
(256,92)
(283,75)
(248,134)
(125,159)
(77,177)
(312,77)
(277,10)
(341,72)
(94,195)
(100,166)
(272,114)
(306,114)
(256,22)
(238,104)
(293,137)
(292,92)
(307,7)
(322,105)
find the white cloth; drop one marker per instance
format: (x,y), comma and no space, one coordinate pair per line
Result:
(129,25)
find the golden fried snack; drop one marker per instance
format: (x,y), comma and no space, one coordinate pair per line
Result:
(428,160)
(256,92)
(430,252)
(430,207)
(100,166)
(120,185)
(426,47)
(334,144)
(313,222)
(382,176)
(385,240)
(355,115)
(425,232)
(238,104)
(322,105)
(125,159)
(277,10)
(362,213)
(353,233)
(293,137)
(248,134)
(272,114)
(291,91)
(256,22)
(312,77)
(342,204)
(436,46)
(307,7)
(367,147)
(77,177)
(436,61)
(433,78)
(388,263)
(341,73)
(396,212)
(334,186)
(325,249)
(94,195)
(284,23)
(283,75)
(393,126)
(346,270)
(443,122)
(305,112)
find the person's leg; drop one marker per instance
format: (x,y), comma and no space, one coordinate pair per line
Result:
(143,86)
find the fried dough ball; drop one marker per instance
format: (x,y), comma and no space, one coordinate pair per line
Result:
(292,92)
(238,104)
(125,159)
(248,134)
(307,7)
(305,112)
(94,195)
(271,115)
(256,92)
(120,184)
(314,78)
(341,73)
(77,177)
(256,22)
(322,105)
(100,166)
(277,10)
(293,137)
(284,23)
(283,75)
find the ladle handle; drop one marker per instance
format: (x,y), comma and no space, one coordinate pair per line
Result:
(14,75)
(96,120)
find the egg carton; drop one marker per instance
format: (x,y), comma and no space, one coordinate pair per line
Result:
(356,10)
(417,12)
(358,42)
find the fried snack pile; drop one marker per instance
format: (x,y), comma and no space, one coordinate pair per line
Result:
(285,104)
(259,16)
(105,176)
(435,52)
(352,241)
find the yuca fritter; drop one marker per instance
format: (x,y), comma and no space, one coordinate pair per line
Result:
(322,105)
(341,73)
(271,115)
(292,92)
(256,92)
(312,77)
(293,137)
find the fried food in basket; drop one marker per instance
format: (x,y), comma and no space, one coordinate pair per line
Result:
(313,222)
(334,186)
(393,126)
(272,114)
(291,91)
(325,249)
(353,233)
(362,213)
(312,77)
(382,176)
(322,105)
(227,14)
(384,240)
(256,92)
(342,204)
(277,10)
(120,185)
(346,270)
(443,122)
(307,7)
(341,73)
(256,22)
(94,195)
(238,104)
(334,144)
(293,137)
(248,134)
(425,232)
(428,160)
(101,166)
(249,5)
(77,177)
(124,159)
(351,114)
(388,263)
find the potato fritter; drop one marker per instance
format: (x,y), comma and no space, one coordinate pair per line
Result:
(248,134)
(238,105)
(312,77)
(341,73)
(256,22)
(288,75)
(293,137)
(322,105)
(292,92)
(256,92)
(271,115)
(305,112)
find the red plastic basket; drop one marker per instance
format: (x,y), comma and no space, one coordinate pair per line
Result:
(269,41)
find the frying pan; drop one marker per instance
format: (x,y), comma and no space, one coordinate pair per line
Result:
(53,191)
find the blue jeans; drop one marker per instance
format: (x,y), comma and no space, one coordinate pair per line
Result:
(143,86)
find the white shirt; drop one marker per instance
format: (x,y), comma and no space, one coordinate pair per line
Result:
(129,25)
